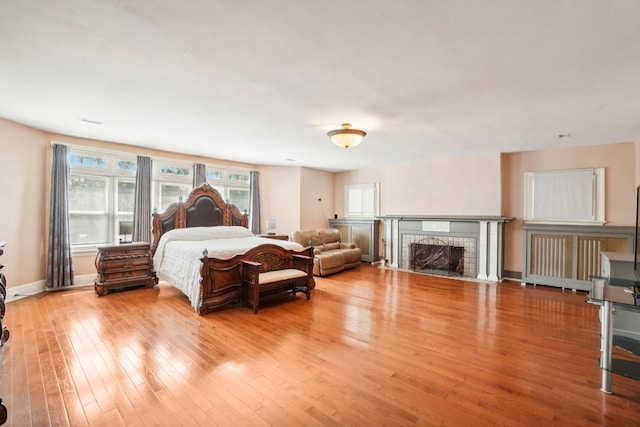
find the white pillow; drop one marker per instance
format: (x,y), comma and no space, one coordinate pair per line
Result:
(206,233)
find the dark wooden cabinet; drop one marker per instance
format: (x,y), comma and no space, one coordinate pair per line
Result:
(4,332)
(3,329)
(124,266)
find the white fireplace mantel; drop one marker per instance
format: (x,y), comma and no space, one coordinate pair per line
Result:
(488,232)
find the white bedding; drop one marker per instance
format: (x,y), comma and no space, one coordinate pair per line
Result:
(177,257)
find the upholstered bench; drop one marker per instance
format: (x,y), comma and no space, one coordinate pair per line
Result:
(280,275)
(274,271)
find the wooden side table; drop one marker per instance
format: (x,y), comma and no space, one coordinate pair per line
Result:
(124,266)
(275,236)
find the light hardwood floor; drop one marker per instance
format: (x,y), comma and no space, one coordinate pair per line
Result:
(371,348)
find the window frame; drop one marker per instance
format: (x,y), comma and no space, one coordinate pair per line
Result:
(225,184)
(113,174)
(160,179)
(594,194)
(362,200)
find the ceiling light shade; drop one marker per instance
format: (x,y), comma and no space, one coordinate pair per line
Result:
(346,137)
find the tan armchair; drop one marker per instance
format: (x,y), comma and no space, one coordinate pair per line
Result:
(330,254)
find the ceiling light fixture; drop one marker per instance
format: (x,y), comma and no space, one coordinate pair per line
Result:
(346,137)
(92,121)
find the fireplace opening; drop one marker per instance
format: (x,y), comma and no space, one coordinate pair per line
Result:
(436,258)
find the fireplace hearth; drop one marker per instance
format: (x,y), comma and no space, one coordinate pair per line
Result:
(436,258)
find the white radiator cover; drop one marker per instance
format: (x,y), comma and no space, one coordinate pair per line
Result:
(568,256)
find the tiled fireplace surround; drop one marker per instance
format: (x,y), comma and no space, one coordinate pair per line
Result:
(481,236)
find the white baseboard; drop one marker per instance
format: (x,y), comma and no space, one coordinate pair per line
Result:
(84,280)
(15,293)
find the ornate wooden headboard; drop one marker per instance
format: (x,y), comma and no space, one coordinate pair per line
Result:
(203,208)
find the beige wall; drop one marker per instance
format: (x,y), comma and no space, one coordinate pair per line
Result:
(619,161)
(316,198)
(637,145)
(290,196)
(454,186)
(22,193)
(280,198)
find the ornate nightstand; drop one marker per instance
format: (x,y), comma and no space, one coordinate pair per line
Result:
(124,266)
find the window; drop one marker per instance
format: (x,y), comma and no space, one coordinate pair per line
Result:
(102,192)
(172,181)
(88,209)
(233,185)
(573,196)
(213,175)
(362,200)
(101,196)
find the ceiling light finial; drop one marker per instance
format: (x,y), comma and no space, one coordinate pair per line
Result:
(347,136)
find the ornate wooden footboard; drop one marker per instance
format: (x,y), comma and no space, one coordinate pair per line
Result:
(221,282)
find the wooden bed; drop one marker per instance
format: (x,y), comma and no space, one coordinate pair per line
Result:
(217,273)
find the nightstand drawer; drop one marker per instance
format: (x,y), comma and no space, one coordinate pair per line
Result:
(126,261)
(119,273)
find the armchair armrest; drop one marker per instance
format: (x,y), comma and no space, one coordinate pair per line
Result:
(347,245)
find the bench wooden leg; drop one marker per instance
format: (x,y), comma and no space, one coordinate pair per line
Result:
(285,286)
(256,297)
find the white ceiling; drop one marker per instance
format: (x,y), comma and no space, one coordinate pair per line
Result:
(263,81)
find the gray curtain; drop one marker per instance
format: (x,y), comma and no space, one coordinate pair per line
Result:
(59,260)
(142,202)
(199,174)
(254,203)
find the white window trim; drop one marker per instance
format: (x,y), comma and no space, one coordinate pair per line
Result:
(372,209)
(597,197)
(111,179)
